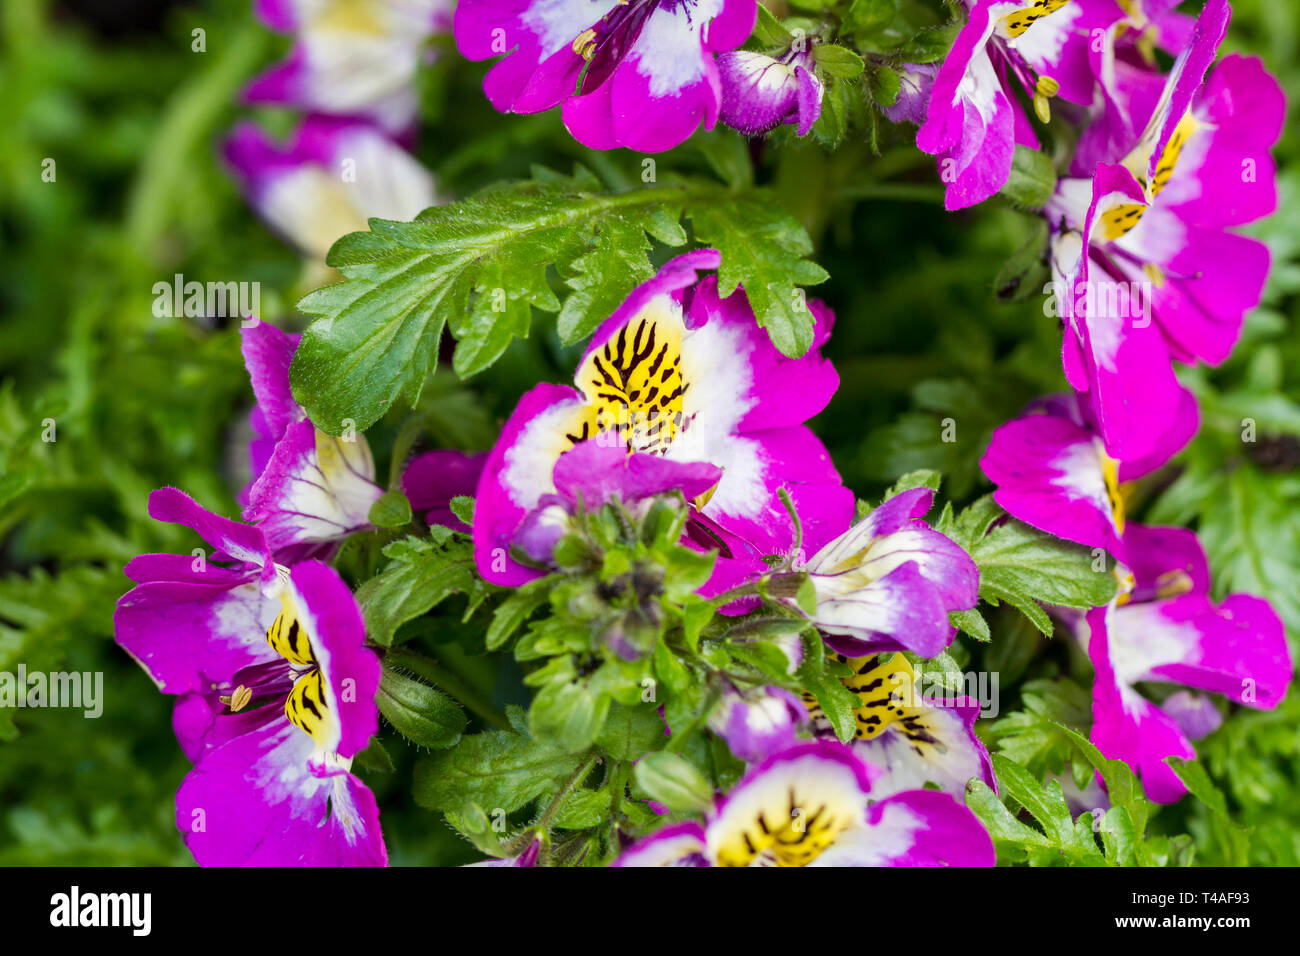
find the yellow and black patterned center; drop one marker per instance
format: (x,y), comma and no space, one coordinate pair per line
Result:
(887,690)
(1137,160)
(634,386)
(1115,492)
(1173,149)
(1119,219)
(1018,21)
(791,833)
(306,706)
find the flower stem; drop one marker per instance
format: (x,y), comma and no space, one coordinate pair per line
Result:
(438,675)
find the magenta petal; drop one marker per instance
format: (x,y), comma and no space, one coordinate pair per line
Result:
(190,636)
(917,828)
(653,111)
(240,541)
(1048,472)
(1128,727)
(338,640)
(254,802)
(431,480)
(599,472)
(268,353)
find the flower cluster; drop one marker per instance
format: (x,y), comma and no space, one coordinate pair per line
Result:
(352,73)
(668,523)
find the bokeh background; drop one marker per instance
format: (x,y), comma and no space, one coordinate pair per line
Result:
(132,117)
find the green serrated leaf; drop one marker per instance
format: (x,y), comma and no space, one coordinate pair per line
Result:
(1032,180)
(422,714)
(837,61)
(765,248)
(414,583)
(496,770)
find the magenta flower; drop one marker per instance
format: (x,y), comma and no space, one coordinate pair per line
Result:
(890,581)
(192,622)
(431,480)
(272,747)
(310,490)
(816,805)
(328,181)
(1052,470)
(757,722)
(974,120)
(1128,77)
(356,59)
(639,73)
(914,738)
(759,92)
(1164,278)
(240,631)
(1166,629)
(693,390)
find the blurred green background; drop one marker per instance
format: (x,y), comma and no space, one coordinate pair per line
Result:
(131,116)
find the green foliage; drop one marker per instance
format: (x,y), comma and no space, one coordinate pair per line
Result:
(1023,566)
(485,260)
(509,713)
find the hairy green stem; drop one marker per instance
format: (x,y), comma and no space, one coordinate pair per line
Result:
(438,675)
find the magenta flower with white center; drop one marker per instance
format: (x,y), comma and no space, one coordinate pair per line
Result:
(1148,269)
(815,805)
(974,121)
(890,581)
(310,490)
(759,92)
(689,381)
(639,74)
(328,181)
(356,59)
(272,747)
(240,631)
(1052,471)
(1167,629)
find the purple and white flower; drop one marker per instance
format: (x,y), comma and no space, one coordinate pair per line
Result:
(310,490)
(1166,629)
(890,581)
(271,784)
(973,120)
(688,380)
(1147,269)
(637,73)
(815,805)
(760,92)
(332,178)
(273,746)
(356,59)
